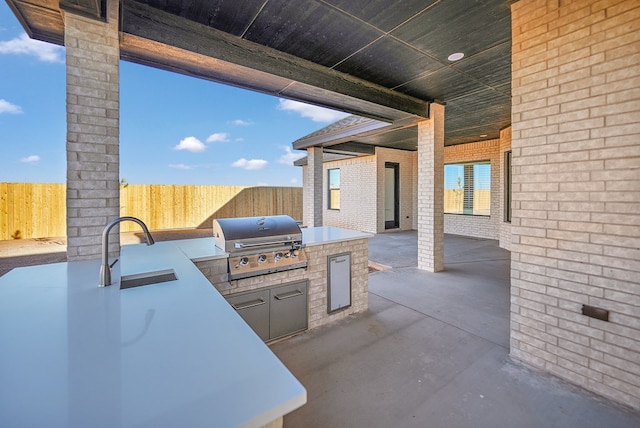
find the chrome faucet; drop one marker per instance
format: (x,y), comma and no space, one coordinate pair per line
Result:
(105,268)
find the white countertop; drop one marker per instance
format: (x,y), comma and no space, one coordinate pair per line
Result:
(325,235)
(175,354)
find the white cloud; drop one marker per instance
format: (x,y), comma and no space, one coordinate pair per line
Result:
(315,113)
(240,122)
(191,144)
(31,159)
(218,137)
(250,164)
(293,181)
(289,157)
(23,45)
(179,166)
(7,107)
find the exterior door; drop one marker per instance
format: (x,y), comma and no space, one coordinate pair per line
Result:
(391,195)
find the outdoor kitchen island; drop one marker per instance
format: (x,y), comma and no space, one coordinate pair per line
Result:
(335,280)
(162,355)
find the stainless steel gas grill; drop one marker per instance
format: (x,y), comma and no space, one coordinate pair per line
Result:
(260,245)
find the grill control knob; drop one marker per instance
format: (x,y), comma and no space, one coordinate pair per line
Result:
(294,253)
(262,258)
(244,261)
(278,256)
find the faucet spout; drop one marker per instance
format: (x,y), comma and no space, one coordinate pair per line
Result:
(105,269)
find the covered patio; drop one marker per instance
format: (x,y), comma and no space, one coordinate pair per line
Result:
(559,79)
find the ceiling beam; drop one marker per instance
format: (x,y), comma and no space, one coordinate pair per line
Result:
(239,62)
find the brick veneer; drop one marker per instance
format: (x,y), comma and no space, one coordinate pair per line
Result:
(93,194)
(312,197)
(431,191)
(358,194)
(316,273)
(576,178)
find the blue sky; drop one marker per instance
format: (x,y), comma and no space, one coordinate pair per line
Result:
(174,129)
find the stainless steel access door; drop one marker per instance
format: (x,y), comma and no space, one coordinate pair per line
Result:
(288,311)
(339,282)
(253,307)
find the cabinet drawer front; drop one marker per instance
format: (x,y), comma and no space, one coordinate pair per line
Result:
(254,309)
(288,311)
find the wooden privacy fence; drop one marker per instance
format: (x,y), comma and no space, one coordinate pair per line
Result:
(35,210)
(176,207)
(32,210)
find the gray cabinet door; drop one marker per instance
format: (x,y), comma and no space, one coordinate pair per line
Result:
(288,309)
(339,282)
(253,307)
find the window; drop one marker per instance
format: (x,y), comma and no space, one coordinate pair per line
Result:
(467,188)
(507,187)
(334,189)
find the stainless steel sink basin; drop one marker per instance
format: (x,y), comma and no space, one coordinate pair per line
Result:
(147,278)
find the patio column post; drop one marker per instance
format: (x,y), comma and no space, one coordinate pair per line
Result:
(431,190)
(312,193)
(93,129)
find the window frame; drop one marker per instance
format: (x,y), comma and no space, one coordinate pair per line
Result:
(466,188)
(508,185)
(331,191)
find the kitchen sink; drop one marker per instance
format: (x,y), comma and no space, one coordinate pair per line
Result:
(147,278)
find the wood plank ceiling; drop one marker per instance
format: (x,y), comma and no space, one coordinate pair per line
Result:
(383,59)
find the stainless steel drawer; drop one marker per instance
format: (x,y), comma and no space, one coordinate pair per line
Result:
(253,307)
(288,311)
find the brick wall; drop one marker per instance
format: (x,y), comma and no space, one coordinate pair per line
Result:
(504,228)
(576,175)
(473,225)
(358,194)
(316,273)
(406,161)
(93,193)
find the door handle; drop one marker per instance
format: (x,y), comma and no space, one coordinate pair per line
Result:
(288,295)
(249,304)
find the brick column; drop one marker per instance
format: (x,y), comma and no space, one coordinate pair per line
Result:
(431,191)
(93,193)
(312,196)
(576,192)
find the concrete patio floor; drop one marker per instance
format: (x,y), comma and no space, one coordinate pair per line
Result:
(433,351)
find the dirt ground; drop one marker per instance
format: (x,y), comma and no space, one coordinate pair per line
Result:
(29,252)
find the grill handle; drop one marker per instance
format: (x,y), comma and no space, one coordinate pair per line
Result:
(249,304)
(288,295)
(239,245)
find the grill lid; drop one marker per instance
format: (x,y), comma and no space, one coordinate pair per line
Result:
(244,233)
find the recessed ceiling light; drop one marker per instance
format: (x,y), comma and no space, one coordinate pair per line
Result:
(455,56)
